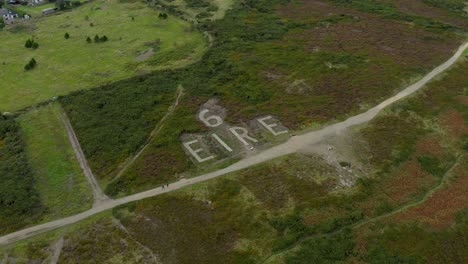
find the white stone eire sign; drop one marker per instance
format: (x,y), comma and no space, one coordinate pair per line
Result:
(240,133)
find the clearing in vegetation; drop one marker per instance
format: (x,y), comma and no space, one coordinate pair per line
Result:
(65,65)
(62,186)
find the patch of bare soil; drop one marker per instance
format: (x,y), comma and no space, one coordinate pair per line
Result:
(145,55)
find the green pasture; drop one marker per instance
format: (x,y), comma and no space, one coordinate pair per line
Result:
(61,183)
(65,65)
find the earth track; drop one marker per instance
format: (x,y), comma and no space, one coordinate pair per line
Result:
(294,144)
(98,194)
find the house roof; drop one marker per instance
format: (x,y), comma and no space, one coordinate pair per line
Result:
(4,11)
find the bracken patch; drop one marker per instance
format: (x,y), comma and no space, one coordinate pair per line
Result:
(409,181)
(454,122)
(440,209)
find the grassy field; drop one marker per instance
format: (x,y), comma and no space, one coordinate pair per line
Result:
(60,181)
(65,65)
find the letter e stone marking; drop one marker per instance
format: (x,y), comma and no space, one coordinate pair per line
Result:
(195,152)
(271,126)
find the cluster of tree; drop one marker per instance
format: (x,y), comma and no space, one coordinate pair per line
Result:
(66,4)
(31,44)
(97,39)
(2,23)
(162,16)
(31,65)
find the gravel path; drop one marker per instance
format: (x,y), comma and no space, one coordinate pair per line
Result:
(294,144)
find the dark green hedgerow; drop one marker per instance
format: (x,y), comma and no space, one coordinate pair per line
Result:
(19,199)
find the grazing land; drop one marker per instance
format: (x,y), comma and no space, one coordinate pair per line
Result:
(65,65)
(59,179)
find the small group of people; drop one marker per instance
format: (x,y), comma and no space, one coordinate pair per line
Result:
(165,185)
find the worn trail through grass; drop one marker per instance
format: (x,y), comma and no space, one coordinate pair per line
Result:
(99,195)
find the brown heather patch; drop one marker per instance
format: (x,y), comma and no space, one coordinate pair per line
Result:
(454,122)
(182,230)
(408,181)
(161,164)
(360,238)
(275,188)
(404,44)
(440,209)
(99,242)
(311,8)
(463,99)
(429,145)
(419,8)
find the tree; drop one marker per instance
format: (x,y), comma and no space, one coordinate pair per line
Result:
(35,45)
(2,23)
(28,43)
(96,39)
(162,16)
(88,39)
(1,4)
(67,36)
(60,4)
(31,64)
(103,38)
